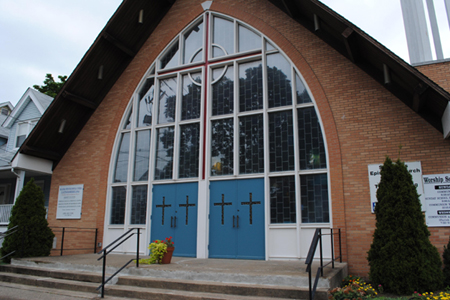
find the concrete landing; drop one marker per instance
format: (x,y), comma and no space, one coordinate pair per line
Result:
(272,273)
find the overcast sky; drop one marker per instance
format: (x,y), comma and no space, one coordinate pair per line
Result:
(51,36)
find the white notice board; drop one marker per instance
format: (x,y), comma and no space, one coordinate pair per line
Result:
(70,199)
(437,198)
(414,168)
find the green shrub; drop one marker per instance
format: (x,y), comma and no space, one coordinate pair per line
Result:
(401,257)
(446,257)
(34,237)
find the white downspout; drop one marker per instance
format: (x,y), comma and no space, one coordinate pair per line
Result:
(19,182)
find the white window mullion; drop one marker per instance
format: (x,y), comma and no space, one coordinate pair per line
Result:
(236,118)
(176,129)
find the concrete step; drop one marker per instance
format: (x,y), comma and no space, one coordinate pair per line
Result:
(143,288)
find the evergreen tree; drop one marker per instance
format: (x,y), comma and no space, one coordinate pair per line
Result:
(401,257)
(50,86)
(34,237)
(446,257)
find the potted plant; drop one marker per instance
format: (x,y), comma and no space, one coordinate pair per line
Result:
(160,252)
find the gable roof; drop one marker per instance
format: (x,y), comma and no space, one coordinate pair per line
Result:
(123,36)
(39,99)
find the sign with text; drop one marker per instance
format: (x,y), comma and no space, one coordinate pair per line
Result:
(414,168)
(437,199)
(70,199)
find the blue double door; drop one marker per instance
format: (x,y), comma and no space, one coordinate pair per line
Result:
(174,213)
(237,219)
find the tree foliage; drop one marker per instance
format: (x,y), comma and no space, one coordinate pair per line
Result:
(34,237)
(401,257)
(50,86)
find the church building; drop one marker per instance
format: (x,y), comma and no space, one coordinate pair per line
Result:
(237,127)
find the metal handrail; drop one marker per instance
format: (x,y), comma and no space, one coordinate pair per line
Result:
(119,241)
(7,233)
(78,229)
(317,240)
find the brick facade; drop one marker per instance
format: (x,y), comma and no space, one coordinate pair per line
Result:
(362,124)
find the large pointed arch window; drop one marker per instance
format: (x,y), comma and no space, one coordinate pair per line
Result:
(222,101)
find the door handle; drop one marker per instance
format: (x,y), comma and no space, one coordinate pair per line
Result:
(175,222)
(237,221)
(233,221)
(171,222)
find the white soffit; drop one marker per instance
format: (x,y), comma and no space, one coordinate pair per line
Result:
(446,122)
(27,162)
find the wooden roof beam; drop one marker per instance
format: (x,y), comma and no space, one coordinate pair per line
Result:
(124,48)
(418,97)
(80,100)
(348,35)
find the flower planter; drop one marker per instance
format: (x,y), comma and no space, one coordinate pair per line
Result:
(167,256)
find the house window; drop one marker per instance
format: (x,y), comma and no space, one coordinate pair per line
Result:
(227,106)
(5,111)
(23,129)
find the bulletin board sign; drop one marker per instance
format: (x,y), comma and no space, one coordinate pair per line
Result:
(414,168)
(437,198)
(70,199)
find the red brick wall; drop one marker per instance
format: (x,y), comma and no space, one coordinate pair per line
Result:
(438,72)
(362,123)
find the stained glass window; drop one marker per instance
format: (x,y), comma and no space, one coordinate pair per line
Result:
(279,80)
(310,140)
(250,86)
(314,197)
(171,58)
(281,141)
(164,153)
(190,104)
(302,93)
(139,204)
(248,40)
(251,144)
(282,200)
(222,147)
(145,107)
(189,150)
(193,42)
(222,91)
(118,199)
(167,100)
(141,155)
(223,37)
(121,171)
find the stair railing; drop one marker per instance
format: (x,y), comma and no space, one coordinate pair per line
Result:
(317,240)
(119,241)
(5,234)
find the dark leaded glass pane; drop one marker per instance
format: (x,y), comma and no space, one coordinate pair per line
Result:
(190,105)
(189,150)
(279,80)
(310,140)
(141,155)
(171,58)
(146,95)
(250,86)
(121,171)
(167,100)
(119,194)
(282,200)
(314,194)
(222,147)
(139,204)
(222,99)
(164,153)
(251,144)
(193,40)
(248,40)
(223,35)
(281,141)
(302,93)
